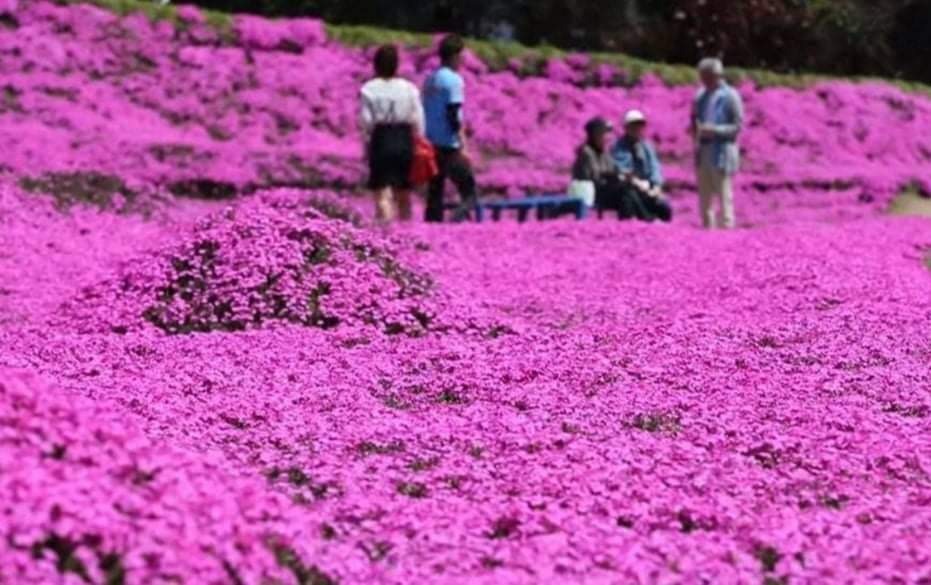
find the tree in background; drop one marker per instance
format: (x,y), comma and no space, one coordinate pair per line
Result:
(840,36)
(910,39)
(848,37)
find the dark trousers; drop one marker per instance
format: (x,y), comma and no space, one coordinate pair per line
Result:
(454,166)
(629,203)
(657,208)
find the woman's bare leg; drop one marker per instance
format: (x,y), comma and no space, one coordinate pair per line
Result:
(405,207)
(384,209)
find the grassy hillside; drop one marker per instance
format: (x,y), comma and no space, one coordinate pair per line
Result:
(497,54)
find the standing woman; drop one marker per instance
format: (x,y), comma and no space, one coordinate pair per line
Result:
(391,116)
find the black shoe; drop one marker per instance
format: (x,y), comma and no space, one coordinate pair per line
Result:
(461,216)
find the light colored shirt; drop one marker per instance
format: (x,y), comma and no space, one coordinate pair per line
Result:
(390,101)
(706,152)
(442,89)
(706,116)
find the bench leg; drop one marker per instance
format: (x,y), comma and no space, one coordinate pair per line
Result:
(522,214)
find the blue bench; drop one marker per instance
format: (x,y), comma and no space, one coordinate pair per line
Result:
(544,205)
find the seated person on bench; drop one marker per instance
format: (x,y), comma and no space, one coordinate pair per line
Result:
(595,176)
(640,169)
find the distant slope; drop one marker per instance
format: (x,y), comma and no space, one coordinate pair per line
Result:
(497,54)
(122,112)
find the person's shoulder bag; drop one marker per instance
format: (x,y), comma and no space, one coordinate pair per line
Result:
(424,166)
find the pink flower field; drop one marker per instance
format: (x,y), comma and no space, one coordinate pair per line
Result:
(215,369)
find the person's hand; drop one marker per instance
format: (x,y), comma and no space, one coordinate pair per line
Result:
(707,131)
(467,157)
(465,152)
(656,192)
(641,185)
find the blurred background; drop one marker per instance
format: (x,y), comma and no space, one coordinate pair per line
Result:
(888,38)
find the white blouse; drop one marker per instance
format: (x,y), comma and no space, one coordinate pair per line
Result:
(390,101)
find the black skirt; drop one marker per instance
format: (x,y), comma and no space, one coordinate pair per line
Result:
(391,154)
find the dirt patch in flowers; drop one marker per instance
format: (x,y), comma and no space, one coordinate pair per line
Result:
(82,188)
(912,203)
(207,189)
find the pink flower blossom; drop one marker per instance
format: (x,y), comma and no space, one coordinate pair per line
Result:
(214,368)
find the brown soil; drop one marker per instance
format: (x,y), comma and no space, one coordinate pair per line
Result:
(911,203)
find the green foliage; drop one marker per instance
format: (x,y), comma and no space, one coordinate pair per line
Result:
(497,54)
(303,574)
(154,11)
(221,21)
(369,36)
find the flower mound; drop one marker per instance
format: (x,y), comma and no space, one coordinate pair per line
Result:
(276,258)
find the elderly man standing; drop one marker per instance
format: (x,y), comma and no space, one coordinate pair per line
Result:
(717,117)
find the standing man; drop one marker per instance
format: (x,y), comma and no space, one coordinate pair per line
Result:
(641,169)
(444,96)
(717,117)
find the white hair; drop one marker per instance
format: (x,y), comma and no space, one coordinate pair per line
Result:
(712,65)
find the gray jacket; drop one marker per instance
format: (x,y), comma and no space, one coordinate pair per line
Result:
(593,166)
(726,113)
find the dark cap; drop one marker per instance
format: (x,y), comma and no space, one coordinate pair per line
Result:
(598,126)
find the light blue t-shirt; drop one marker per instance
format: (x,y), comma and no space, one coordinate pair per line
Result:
(443,88)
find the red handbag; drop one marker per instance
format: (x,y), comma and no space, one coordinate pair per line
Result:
(423,167)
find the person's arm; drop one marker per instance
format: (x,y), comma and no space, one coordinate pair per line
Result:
(735,111)
(454,117)
(584,167)
(419,122)
(624,163)
(366,124)
(693,115)
(366,118)
(656,168)
(454,108)
(623,160)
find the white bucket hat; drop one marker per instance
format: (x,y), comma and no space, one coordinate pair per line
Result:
(634,117)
